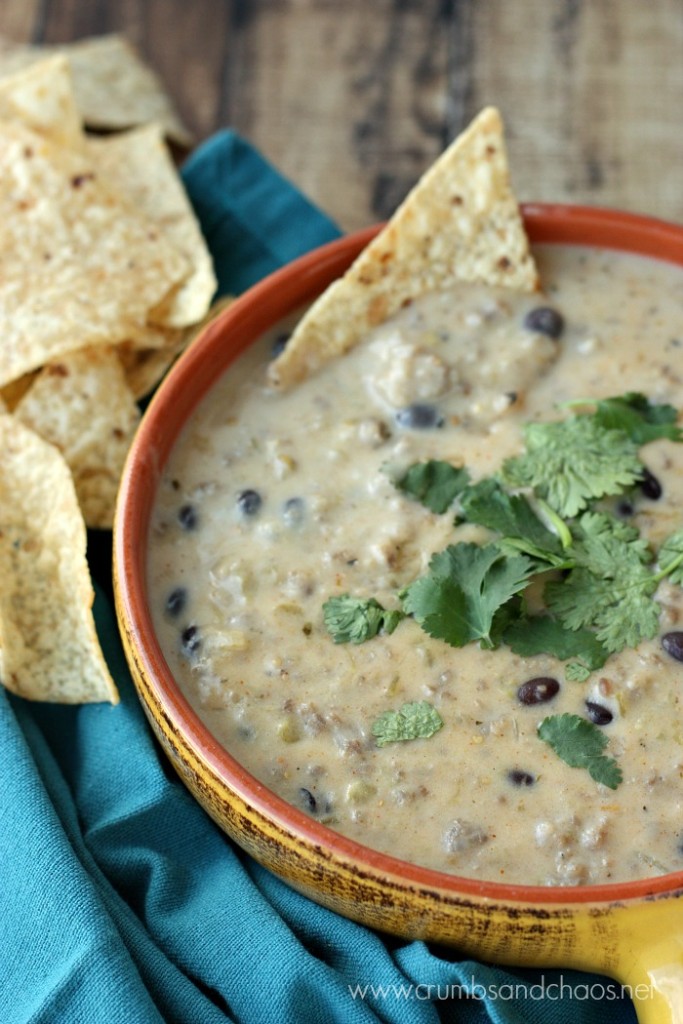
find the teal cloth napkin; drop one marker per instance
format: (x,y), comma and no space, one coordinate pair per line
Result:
(122,901)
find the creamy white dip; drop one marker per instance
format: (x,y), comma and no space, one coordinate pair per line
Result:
(271,503)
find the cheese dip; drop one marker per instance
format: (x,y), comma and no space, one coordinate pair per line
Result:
(272,503)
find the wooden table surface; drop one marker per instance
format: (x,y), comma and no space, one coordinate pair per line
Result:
(353,99)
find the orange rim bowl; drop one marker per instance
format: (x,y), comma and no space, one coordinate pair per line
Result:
(600,927)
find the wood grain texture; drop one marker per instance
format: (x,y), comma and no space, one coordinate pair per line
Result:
(353,100)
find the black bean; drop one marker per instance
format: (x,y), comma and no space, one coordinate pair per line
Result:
(538,690)
(625,508)
(249,502)
(520,778)
(673,644)
(308,801)
(279,345)
(293,511)
(187,517)
(598,713)
(419,416)
(190,640)
(650,485)
(544,320)
(176,601)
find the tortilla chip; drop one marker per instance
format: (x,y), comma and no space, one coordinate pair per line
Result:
(146,336)
(42,98)
(49,645)
(139,166)
(83,405)
(78,265)
(461,222)
(114,89)
(144,369)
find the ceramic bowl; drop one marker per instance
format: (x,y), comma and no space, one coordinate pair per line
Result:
(631,931)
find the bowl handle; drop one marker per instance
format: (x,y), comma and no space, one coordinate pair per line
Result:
(651,958)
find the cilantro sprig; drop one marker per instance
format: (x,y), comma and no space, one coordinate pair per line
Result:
(611,587)
(415,720)
(575,461)
(580,744)
(635,415)
(670,558)
(572,462)
(465,587)
(548,525)
(605,601)
(435,483)
(512,516)
(353,620)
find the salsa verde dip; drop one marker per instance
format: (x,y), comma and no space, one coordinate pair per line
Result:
(273,502)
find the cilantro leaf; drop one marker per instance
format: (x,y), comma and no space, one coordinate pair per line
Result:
(670,558)
(580,744)
(440,606)
(642,420)
(574,461)
(466,586)
(611,588)
(507,615)
(622,614)
(435,483)
(576,672)
(607,543)
(541,634)
(353,620)
(416,720)
(511,515)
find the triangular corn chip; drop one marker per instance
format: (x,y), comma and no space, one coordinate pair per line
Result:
(83,405)
(144,368)
(49,647)
(114,88)
(78,265)
(139,166)
(41,97)
(461,222)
